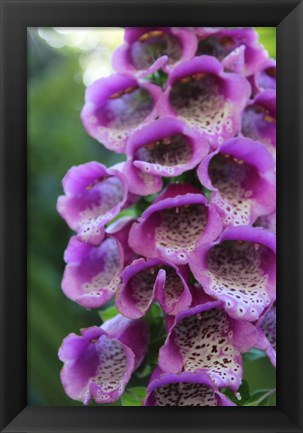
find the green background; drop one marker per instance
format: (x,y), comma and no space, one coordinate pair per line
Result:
(56,141)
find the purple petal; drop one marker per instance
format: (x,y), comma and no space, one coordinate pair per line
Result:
(172,227)
(184,389)
(140,182)
(146,281)
(166,147)
(259,119)
(238,49)
(241,173)
(267,222)
(92,272)
(201,340)
(120,231)
(94,195)
(116,106)
(239,269)
(147,49)
(206,98)
(265,77)
(267,334)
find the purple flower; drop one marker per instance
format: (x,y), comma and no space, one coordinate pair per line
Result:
(241,172)
(116,106)
(185,389)
(238,49)
(120,231)
(92,273)
(204,339)
(172,227)
(259,119)
(166,147)
(146,281)
(239,269)
(99,363)
(94,195)
(206,98)
(265,76)
(147,49)
(267,337)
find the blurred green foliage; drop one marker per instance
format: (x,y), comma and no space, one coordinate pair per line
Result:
(56,141)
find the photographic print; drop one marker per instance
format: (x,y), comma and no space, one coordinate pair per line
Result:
(152,216)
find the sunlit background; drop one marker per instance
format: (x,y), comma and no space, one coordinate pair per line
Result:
(61,63)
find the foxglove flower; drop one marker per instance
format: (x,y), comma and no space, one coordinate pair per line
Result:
(204,339)
(146,281)
(206,98)
(241,175)
(259,119)
(265,76)
(185,389)
(116,106)
(91,275)
(166,147)
(120,231)
(147,49)
(172,227)
(99,363)
(237,49)
(239,269)
(94,195)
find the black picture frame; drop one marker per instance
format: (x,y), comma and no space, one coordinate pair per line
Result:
(16,16)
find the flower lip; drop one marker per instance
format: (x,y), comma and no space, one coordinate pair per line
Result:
(92,273)
(147,280)
(185,389)
(166,147)
(209,100)
(204,339)
(148,49)
(241,174)
(173,227)
(93,196)
(239,269)
(117,105)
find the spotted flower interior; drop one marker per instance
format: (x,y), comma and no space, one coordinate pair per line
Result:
(238,272)
(175,244)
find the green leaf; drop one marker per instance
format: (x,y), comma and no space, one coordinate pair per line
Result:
(134,396)
(253,355)
(260,398)
(108,313)
(243,393)
(144,372)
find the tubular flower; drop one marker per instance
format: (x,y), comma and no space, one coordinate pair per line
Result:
(172,227)
(99,363)
(206,98)
(116,106)
(241,175)
(147,49)
(185,389)
(91,275)
(239,269)
(259,119)
(93,196)
(146,281)
(265,77)
(166,147)
(204,339)
(237,49)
